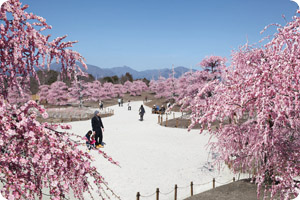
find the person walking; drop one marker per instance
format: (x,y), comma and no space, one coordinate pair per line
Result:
(98,129)
(119,101)
(101,105)
(129,106)
(141,112)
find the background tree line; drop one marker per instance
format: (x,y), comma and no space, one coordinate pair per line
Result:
(48,77)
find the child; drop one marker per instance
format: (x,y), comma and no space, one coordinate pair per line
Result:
(88,139)
(93,141)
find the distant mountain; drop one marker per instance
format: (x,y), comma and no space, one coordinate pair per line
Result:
(155,73)
(98,72)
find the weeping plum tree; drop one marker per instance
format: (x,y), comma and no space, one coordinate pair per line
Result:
(188,87)
(37,160)
(17,95)
(212,63)
(257,104)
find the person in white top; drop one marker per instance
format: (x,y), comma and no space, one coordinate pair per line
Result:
(119,101)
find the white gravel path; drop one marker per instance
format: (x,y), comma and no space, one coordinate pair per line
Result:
(151,156)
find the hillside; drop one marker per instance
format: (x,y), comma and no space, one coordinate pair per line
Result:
(150,74)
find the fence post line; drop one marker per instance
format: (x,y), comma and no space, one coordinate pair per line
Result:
(233,179)
(161,120)
(157,193)
(192,188)
(175,195)
(138,196)
(214,182)
(166,120)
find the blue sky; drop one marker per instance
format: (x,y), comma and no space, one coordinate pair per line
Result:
(153,34)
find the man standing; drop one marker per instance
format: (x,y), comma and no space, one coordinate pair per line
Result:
(98,128)
(141,112)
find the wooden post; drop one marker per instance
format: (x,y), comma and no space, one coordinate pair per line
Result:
(175,195)
(166,120)
(214,182)
(157,193)
(176,122)
(192,188)
(161,120)
(233,179)
(138,196)
(158,120)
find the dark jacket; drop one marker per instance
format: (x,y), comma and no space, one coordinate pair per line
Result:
(142,111)
(97,124)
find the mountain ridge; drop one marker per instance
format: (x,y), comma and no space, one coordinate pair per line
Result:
(149,74)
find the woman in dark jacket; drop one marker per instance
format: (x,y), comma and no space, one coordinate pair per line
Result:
(98,128)
(141,112)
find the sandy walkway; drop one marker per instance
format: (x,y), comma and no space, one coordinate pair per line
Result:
(151,156)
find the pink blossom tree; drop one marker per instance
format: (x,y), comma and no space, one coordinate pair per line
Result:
(153,86)
(127,85)
(98,91)
(191,83)
(58,93)
(75,93)
(37,160)
(188,87)
(17,95)
(43,92)
(81,91)
(171,88)
(137,87)
(212,63)
(161,87)
(258,108)
(118,90)
(107,90)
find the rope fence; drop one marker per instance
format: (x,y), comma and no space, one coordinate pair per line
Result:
(60,116)
(180,121)
(175,190)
